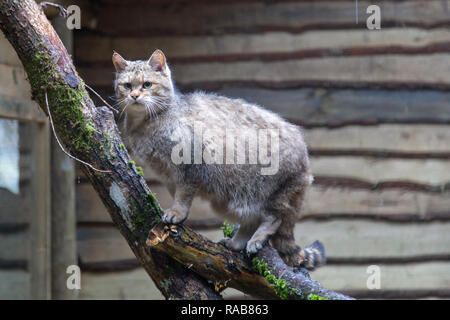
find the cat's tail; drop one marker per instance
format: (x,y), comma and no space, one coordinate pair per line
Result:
(314,256)
(310,257)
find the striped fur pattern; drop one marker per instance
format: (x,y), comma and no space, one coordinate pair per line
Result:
(314,256)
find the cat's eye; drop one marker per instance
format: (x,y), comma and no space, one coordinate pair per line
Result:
(127,86)
(147,85)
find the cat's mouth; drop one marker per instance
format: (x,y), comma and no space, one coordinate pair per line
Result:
(150,108)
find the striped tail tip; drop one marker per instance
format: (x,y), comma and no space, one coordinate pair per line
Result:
(314,256)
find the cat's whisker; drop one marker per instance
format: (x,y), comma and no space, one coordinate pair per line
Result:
(128,104)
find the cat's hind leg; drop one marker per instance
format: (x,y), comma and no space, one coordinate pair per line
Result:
(239,240)
(268,227)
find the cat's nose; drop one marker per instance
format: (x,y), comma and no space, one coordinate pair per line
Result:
(134,95)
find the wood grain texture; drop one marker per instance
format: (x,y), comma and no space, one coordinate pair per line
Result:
(426,171)
(397,138)
(15,246)
(335,108)
(262,46)
(134,284)
(222,18)
(7,54)
(14,83)
(14,208)
(418,71)
(420,276)
(385,204)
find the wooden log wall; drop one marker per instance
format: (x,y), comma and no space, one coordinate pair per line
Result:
(15,208)
(374,105)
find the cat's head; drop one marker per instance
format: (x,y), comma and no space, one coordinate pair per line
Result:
(143,86)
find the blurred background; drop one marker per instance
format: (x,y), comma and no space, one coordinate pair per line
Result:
(375,106)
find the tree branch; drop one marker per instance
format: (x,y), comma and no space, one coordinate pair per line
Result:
(182,263)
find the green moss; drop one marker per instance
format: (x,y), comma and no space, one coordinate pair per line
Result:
(316,297)
(147,216)
(65,101)
(228,229)
(139,169)
(280,285)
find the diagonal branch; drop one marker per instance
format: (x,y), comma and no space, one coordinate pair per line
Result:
(182,263)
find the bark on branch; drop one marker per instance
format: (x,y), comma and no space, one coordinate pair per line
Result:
(182,263)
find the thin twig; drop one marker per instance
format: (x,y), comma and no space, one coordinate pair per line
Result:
(60,145)
(100,97)
(62,10)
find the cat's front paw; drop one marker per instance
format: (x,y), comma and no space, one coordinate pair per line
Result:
(253,246)
(172,216)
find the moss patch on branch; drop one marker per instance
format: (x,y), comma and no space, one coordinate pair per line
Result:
(281,286)
(144,218)
(316,297)
(65,98)
(228,229)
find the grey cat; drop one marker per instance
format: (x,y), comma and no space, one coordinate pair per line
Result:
(160,126)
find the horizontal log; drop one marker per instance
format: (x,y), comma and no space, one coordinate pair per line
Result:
(20,110)
(109,266)
(406,186)
(334,108)
(219,18)
(14,84)
(400,294)
(380,154)
(431,276)
(387,261)
(385,204)
(424,171)
(14,208)
(345,241)
(12,227)
(133,284)
(14,247)
(270,46)
(102,244)
(125,285)
(398,139)
(418,71)
(8,55)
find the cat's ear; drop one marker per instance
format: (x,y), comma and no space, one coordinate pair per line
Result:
(119,63)
(158,61)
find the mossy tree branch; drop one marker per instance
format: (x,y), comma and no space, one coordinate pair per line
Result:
(182,263)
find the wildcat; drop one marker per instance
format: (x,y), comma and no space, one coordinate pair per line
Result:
(156,120)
